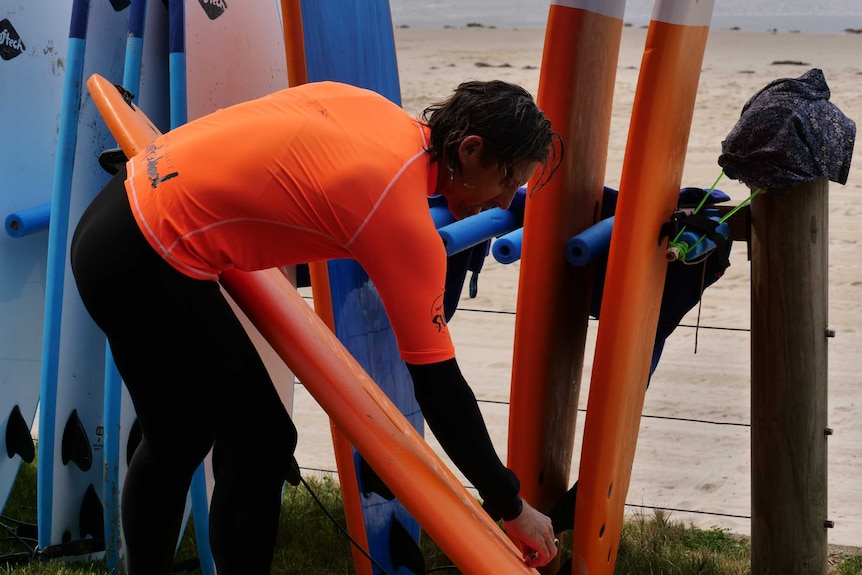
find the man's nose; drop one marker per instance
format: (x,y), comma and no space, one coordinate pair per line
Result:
(504,200)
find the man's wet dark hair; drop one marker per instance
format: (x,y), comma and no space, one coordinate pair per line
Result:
(505,116)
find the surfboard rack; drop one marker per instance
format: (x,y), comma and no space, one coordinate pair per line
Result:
(18,438)
(76,445)
(464,234)
(29,220)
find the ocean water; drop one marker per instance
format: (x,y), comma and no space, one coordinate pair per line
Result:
(806,16)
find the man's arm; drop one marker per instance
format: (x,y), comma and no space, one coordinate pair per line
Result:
(452,413)
(450,408)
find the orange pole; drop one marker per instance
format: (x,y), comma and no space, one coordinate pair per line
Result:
(294,45)
(637,265)
(576,86)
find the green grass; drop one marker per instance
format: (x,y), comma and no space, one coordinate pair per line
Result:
(850,565)
(310,541)
(655,544)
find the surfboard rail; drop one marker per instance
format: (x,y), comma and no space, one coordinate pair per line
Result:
(576,85)
(637,265)
(372,423)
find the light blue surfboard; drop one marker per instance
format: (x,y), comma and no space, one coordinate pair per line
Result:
(70,509)
(33,39)
(353,42)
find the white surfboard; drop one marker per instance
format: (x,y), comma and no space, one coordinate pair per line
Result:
(70,462)
(33,39)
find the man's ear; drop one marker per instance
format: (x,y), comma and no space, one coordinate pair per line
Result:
(470,150)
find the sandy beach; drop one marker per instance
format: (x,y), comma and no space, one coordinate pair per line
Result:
(694,446)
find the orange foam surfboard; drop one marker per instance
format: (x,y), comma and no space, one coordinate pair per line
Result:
(372,423)
(368,419)
(135,131)
(576,92)
(649,191)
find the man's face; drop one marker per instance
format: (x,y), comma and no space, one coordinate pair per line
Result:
(482,185)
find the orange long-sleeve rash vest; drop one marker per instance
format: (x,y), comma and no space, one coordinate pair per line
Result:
(319,171)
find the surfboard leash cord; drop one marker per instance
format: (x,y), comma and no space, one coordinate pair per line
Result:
(13,528)
(356,543)
(337,525)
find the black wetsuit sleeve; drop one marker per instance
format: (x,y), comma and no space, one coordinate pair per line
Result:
(449,406)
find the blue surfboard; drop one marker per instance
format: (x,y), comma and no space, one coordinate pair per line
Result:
(33,40)
(353,42)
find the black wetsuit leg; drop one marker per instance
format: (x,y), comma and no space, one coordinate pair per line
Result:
(196,381)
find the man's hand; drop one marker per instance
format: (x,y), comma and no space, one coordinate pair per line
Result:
(533,533)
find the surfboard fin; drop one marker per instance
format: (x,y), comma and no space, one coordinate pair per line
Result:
(91,520)
(566,568)
(403,549)
(370,482)
(120,5)
(562,514)
(112,160)
(18,438)
(133,440)
(76,444)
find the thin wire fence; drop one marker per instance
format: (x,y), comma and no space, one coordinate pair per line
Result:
(644,416)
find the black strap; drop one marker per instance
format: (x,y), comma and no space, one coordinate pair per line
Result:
(708,227)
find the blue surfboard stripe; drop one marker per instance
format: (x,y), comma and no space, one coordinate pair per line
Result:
(179,116)
(78,21)
(137,18)
(134,47)
(200,512)
(177,63)
(177,29)
(113,380)
(56,264)
(111,491)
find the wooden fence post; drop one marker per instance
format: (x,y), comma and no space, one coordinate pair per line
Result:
(789,304)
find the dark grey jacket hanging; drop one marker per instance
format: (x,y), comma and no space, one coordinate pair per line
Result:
(789,133)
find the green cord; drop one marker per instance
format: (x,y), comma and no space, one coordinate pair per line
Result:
(685,249)
(702,202)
